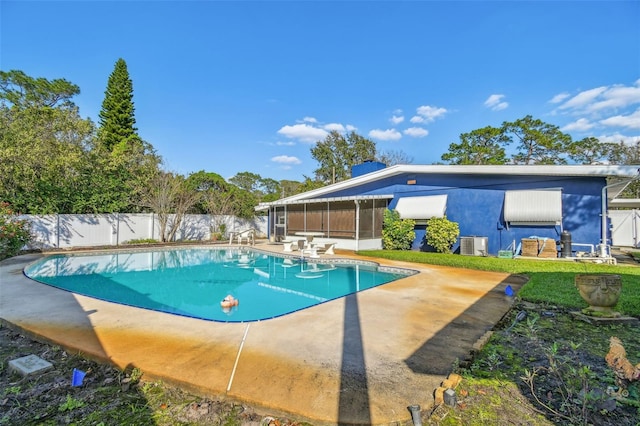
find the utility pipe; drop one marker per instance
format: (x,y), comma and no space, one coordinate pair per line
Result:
(603,245)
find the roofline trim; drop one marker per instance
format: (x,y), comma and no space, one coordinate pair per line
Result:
(521,170)
(285,201)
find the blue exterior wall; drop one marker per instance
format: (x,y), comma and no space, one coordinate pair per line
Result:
(476,203)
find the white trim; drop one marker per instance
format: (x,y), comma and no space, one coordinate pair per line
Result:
(506,170)
(286,201)
(624,203)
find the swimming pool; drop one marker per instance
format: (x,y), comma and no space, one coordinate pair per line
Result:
(193,281)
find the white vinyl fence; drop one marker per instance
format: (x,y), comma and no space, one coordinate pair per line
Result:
(86,230)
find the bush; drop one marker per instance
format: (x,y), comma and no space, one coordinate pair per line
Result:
(141,241)
(14,233)
(442,234)
(397,233)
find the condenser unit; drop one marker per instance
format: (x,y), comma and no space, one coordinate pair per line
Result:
(474,246)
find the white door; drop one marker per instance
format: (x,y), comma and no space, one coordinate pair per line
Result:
(625,227)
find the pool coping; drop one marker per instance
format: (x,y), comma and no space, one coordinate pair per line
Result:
(361,359)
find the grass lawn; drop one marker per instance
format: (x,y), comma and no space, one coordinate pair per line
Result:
(550,282)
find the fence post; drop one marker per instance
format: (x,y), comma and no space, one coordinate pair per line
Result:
(58,230)
(117,229)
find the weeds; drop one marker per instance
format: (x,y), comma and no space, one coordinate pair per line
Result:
(70,404)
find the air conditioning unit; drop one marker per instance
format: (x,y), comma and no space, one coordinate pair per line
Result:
(474,246)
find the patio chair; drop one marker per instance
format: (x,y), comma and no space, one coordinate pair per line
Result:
(248,236)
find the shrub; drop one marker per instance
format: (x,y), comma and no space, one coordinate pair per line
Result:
(14,233)
(141,241)
(442,234)
(397,233)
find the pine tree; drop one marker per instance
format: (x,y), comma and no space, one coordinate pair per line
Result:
(117,119)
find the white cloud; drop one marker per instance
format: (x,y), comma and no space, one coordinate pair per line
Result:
(351,128)
(631,121)
(495,103)
(416,132)
(417,119)
(288,143)
(429,113)
(615,106)
(582,99)
(617,97)
(309,120)
(580,125)
(396,119)
(303,132)
(385,135)
(334,127)
(559,97)
(285,159)
(617,138)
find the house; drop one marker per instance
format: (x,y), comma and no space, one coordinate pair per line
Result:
(496,207)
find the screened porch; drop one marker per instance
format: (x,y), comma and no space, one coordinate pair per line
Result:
(348,220)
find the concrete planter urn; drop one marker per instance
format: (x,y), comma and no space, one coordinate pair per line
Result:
(601,292)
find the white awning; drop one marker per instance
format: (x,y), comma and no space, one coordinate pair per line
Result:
(624,203)
(424,207)
(533,207)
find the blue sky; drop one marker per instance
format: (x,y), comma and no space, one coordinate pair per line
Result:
(229,87)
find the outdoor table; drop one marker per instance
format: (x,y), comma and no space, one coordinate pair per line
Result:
(309,235)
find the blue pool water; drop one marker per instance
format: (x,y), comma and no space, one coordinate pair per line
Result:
(192,282)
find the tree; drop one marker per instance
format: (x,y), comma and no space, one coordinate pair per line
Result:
(215,198)
(170,197)
(125,162)
(622,153)
(116,181)
(271,189)
(248,181)
(309,184)
(44,144)
(481,146)
(538,142)
(588,151)
(220,198)
(337,154)
(21,91)
(50,160)
(391,158)
(117,119)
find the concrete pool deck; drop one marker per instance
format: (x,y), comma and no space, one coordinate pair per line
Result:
(361,359)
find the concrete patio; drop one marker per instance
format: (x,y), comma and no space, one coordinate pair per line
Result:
(361,359)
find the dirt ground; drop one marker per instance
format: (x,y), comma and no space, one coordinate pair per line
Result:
(548,368)
(107,396)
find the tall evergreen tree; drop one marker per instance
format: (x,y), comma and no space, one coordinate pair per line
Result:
(117,119)
(125,162)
